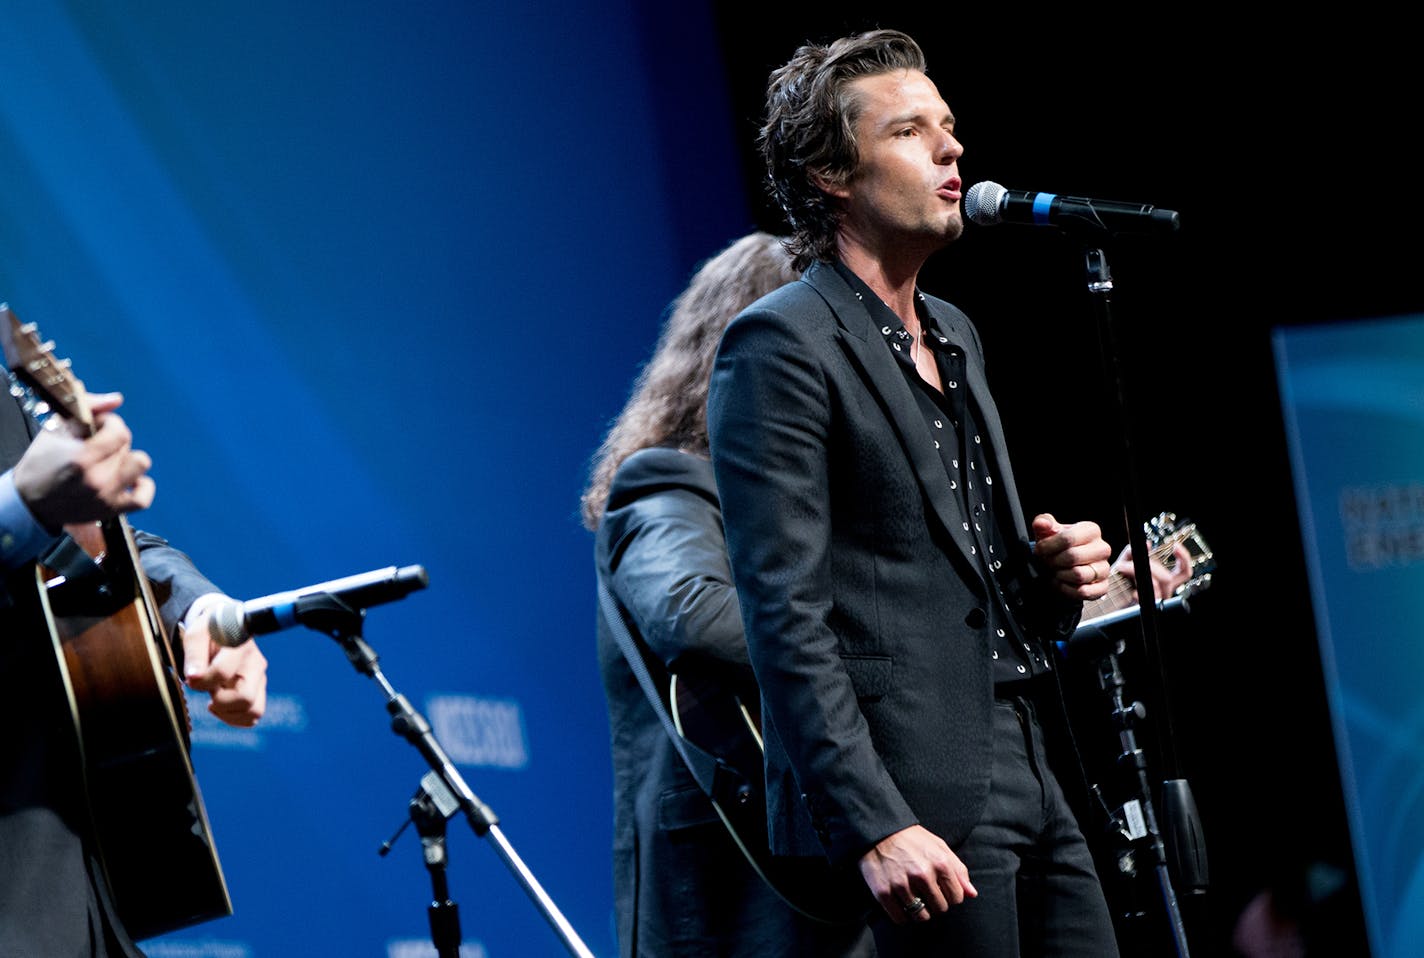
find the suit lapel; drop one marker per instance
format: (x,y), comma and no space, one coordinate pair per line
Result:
(866,348)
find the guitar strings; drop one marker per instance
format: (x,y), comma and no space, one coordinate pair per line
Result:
(1122,587)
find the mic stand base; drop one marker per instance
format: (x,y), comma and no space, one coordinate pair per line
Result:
(1186,844)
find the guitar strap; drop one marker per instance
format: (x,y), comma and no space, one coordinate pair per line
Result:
(721,782)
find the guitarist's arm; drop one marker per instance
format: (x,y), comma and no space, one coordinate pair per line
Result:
(67,477)
(22,538)
(234,677)
(667,565)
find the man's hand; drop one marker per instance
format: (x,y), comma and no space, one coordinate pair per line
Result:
(1076,554)
(1165,581)
(911,866)
(235,678)
(66,478)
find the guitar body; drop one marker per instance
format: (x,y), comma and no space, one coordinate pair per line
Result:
(726,723)
(131,726)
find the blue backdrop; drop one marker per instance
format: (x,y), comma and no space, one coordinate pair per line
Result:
(1354,409)
(373,279)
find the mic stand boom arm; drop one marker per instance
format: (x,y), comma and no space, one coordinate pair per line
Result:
(326,613)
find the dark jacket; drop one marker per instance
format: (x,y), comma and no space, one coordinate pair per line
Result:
(682,887)
(864,606)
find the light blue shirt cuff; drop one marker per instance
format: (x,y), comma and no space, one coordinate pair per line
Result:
(21,537)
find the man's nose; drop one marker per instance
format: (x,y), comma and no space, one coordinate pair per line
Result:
(950,149)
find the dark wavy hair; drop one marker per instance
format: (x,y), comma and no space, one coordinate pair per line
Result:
(668,405)
(809,131)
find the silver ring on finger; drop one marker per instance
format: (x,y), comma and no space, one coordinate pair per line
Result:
(914,906)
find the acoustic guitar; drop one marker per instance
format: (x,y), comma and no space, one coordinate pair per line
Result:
(726,722)
(125,693)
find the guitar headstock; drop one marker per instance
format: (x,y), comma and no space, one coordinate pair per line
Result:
(1164,533)
(33,363)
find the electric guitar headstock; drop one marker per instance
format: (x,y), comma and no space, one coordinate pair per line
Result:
(1164,534)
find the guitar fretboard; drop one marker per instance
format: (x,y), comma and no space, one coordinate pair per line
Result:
(1121,592)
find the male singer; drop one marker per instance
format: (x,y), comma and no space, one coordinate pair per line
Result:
(899,608)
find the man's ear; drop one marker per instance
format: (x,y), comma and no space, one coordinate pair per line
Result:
(836,189)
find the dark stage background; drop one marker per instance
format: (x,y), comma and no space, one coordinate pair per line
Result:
(1279,145)
(375,280)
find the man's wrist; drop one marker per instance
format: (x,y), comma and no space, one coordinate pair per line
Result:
(22,536)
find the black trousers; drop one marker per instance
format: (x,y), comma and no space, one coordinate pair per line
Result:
(1039,895)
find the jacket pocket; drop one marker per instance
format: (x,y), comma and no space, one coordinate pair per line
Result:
(869,674)
(684,807)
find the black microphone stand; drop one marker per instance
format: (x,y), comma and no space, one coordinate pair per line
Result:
(1188,853)
(326,613)
(430,808)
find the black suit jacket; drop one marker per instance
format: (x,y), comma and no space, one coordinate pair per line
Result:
(682,886)
(864,607)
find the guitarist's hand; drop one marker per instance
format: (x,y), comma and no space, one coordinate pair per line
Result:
(915,863)
(234,677)
(1165,581)
(66,478)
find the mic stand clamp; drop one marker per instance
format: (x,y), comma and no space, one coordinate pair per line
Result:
(430,808)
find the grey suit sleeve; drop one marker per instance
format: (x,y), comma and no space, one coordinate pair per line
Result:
(176,582)
(769,424)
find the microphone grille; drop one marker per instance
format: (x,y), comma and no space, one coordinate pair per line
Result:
(226,626)
(981,203)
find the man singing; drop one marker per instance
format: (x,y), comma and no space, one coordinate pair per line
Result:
(899,608)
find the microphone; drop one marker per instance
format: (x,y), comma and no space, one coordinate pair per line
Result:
(233,623)
(988,204)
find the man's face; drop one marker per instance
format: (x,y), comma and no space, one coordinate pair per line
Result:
(906,190)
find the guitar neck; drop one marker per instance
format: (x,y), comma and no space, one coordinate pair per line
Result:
(1121,593)
(50,388)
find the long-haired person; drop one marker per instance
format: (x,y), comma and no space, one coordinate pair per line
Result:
(682,886)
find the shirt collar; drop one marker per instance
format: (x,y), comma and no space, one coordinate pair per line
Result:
(885,319)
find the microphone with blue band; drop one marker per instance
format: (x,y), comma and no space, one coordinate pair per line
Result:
(988,204)
(233,623)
